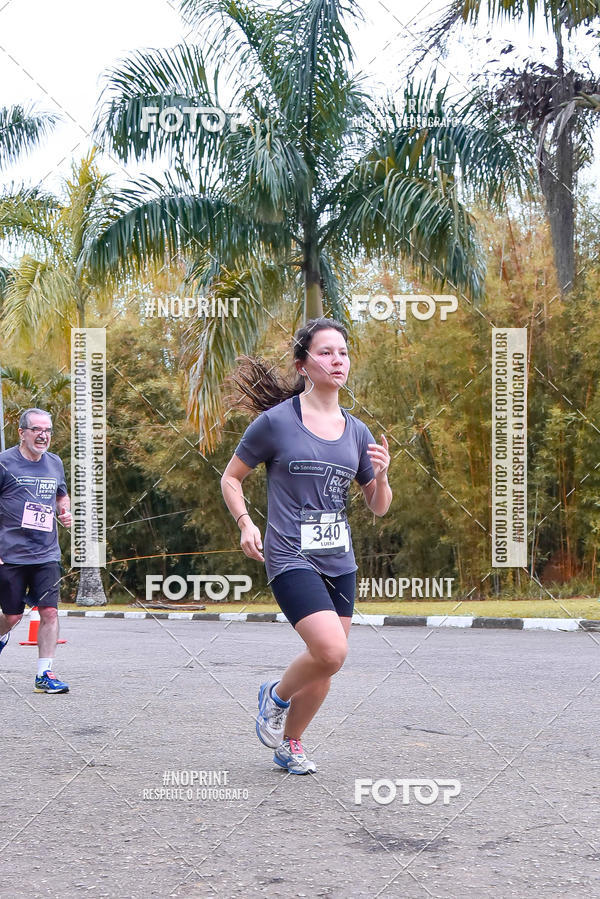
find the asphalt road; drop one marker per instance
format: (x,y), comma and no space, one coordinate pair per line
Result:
(513,716)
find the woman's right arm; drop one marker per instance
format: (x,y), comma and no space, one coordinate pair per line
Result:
(231,486)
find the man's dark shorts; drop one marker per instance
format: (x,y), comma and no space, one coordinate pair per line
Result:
(42,582)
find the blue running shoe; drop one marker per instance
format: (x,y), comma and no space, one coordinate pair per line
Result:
(4,641)
(48,683)
(290,754)
(271,716)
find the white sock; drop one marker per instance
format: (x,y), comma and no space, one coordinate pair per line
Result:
(44,665)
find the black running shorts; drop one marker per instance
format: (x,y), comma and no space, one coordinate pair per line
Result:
(300,592)
(41,583)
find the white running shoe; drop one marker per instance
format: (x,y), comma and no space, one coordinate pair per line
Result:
(271,716)
(290,754)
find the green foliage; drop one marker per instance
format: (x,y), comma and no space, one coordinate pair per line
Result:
(51,287)
(427,386)
(314,174)
(164,494)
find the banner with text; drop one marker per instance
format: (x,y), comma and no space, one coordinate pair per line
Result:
(509,447)
(88,447)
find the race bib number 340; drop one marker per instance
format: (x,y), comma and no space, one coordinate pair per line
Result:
(323,533)
(38,517)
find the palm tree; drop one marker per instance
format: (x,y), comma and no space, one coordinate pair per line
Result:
(274,208)
(21,129)
(51,288)
(551,107)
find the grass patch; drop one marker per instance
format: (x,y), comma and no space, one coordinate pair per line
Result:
(488,608)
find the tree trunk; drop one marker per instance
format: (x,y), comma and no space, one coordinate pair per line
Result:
(313,295)
(557,183)
(91,589)
(557,180)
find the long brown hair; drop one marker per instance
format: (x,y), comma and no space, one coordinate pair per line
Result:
(261,386)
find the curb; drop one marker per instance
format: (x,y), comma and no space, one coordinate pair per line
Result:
(464,621)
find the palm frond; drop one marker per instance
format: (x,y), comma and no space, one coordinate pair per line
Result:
(323,48)
(264,172)
(384,211)
(39,300)
(159,228)
(22,129)
(20,377)
(86,208)
(5,275)
(30,215)
(244,37)
(150,226)
(145,85)
(212,344)
(555,12)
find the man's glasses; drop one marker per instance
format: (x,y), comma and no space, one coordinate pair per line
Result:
(37,431)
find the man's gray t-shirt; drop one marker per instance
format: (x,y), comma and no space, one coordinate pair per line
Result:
(26,490)
(306,475)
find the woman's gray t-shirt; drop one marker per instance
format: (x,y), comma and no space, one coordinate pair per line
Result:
(308,479)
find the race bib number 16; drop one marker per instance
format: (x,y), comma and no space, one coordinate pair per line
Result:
(323,533)
(38,517)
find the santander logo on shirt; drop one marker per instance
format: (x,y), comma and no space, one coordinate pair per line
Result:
(336,478)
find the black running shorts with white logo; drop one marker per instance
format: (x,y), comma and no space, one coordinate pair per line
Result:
(38,585)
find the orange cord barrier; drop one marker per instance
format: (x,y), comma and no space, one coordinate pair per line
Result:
(205,552)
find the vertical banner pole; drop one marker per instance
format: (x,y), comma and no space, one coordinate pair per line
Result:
(509,447)
(88,447)
(2,443)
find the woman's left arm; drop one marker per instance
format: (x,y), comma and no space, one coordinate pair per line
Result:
(377,493)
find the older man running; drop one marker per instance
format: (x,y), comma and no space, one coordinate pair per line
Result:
(32,492)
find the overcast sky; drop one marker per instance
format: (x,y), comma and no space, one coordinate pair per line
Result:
(54,52)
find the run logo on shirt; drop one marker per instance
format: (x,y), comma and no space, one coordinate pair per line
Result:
(45,488)
(337,478)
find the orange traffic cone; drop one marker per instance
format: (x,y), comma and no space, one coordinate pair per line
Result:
(34,626)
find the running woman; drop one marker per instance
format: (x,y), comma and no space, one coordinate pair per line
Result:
(32,489)
(312,449)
